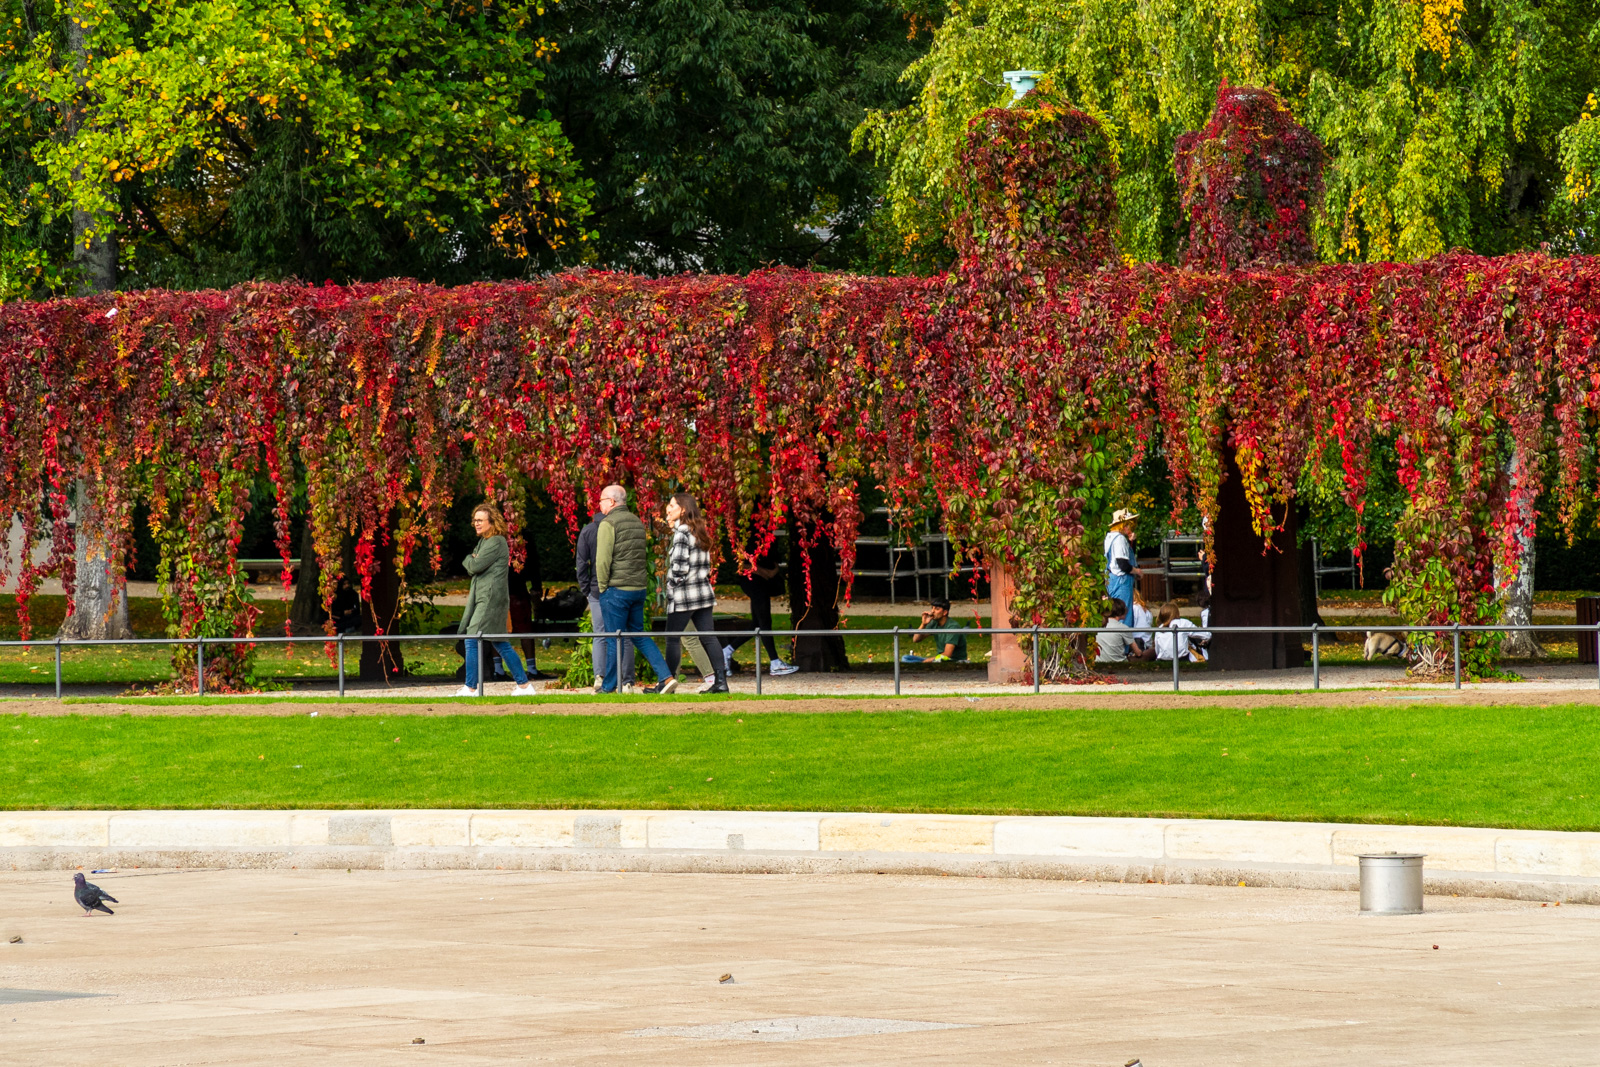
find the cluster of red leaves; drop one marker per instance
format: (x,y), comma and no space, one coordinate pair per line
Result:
(1035,192)
(779,394)
(1247,184)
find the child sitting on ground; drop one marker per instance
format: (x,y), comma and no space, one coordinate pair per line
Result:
(1171,642)
(1118,644)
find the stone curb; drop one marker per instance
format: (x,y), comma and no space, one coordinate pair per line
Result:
(1525,864)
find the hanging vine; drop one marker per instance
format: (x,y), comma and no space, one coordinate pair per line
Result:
(1016,392)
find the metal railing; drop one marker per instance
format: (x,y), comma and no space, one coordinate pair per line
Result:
(617,637)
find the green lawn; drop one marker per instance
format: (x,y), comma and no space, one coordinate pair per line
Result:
(1531,767)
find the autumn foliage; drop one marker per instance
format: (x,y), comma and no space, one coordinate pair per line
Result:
(1247,184)
(783,393)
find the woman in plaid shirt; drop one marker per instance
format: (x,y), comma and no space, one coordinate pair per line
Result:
(690,595)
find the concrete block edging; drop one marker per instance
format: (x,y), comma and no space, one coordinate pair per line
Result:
(1484,860)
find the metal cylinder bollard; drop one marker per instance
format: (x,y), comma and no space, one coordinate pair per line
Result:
(1391,883)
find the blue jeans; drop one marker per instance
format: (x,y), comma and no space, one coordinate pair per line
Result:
(624,610)
(602,649)
(1120,586)
(508,656)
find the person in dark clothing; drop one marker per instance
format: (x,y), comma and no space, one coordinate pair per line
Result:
(346,611)
(589,585)
(527,589)
(761,587)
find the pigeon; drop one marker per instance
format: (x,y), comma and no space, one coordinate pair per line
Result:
(90,897)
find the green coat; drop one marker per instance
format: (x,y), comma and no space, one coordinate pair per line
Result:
(489,599)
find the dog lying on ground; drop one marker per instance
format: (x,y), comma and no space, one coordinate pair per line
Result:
(1384,644)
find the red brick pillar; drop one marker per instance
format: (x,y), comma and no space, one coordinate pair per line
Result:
(1008,664)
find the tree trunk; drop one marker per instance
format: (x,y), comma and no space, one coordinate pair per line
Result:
(100,604)
(305,613)
(1517,608)
(1254,585)
(381,660)
(1310,610)
(1516,603)
(816,608)
(94,253)
(100,607)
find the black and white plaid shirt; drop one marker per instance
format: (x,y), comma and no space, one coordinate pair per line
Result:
(688,574)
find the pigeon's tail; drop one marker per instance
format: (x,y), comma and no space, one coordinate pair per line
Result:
(107,896)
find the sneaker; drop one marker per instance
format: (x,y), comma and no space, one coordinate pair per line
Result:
(661,688)
(599,687)
(779,668)
(524,690)
(629,689)
(465,691)
(708,685)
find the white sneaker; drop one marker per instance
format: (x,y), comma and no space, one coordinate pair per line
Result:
(526,689)
(708,685)
(464,691)
(629,689)
(779,667)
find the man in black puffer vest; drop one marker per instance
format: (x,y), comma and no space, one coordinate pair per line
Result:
(621,574)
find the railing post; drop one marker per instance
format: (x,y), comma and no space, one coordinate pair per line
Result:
(1456,655)
(1036,658)
(1316,656)
(758,661)
(200,666)
(616,661)
(482,672)
(1597,653)
(341,666)
(58,668)
(1174,659)
(897,661)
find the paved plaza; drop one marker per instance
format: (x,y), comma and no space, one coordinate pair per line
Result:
(328,967)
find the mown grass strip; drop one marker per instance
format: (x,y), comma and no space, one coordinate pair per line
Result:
(1527,767)
(582,697)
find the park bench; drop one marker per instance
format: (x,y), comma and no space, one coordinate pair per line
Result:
(255,569)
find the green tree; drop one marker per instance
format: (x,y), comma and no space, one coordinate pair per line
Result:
(717,132)
(219,140)
(1448,123)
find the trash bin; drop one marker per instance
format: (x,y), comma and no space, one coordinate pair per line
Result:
(1391,883)
(1588,615)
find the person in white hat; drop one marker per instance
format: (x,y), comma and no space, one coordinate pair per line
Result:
(1121,574)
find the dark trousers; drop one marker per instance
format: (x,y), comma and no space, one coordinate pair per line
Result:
(760,592)
(705,627)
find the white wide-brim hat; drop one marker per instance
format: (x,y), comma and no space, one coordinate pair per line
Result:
(1123,515)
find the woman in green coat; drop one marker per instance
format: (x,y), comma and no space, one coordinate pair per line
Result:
(489,600)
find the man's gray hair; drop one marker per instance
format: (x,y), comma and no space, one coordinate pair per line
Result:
(614,492)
